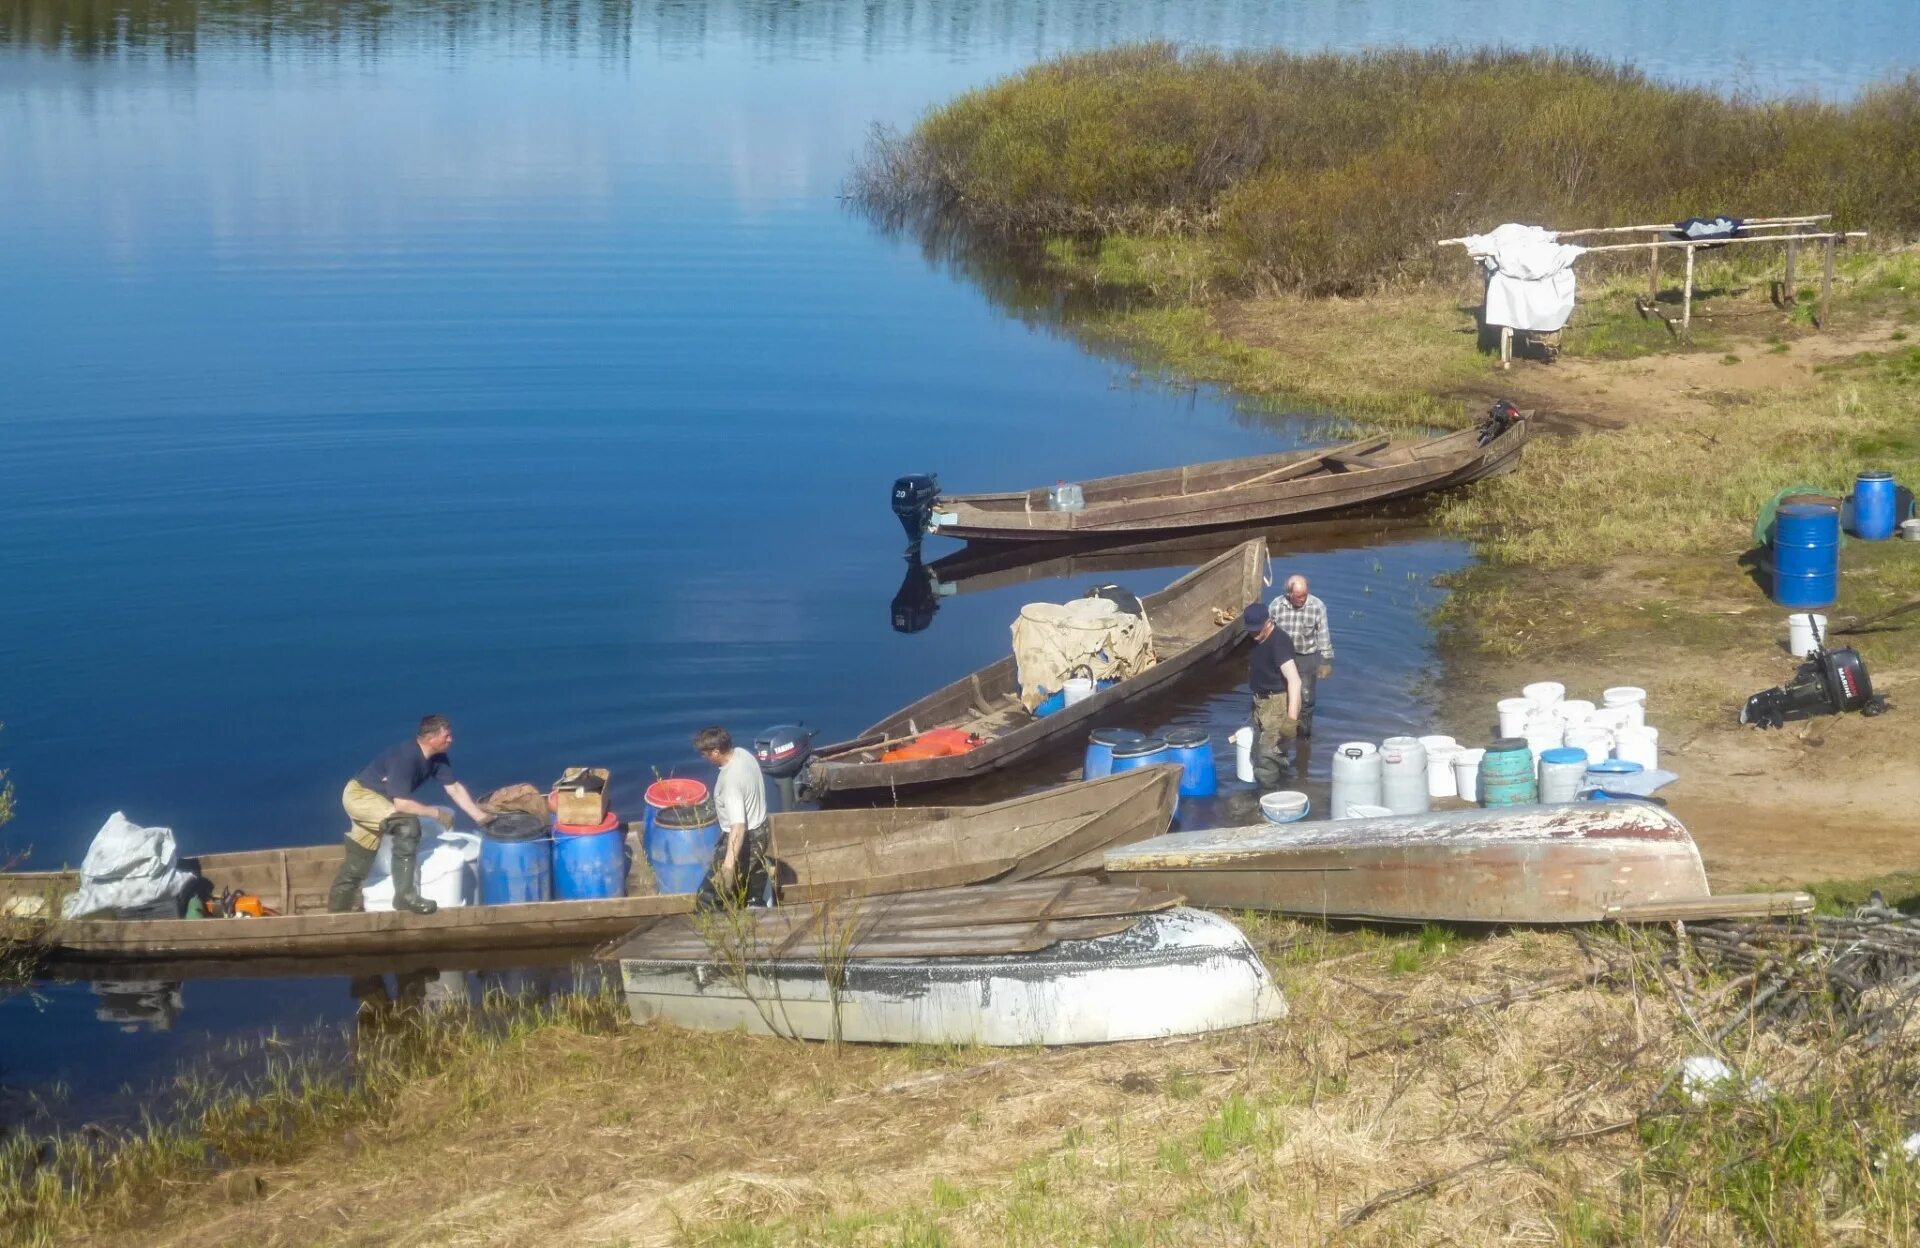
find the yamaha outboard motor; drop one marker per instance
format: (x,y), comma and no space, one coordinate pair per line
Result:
(915,601)
(1828,683)
(783,750)
(913,502)
(1498,420)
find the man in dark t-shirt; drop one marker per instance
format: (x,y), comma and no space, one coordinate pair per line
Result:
(1274,678)
(379,802)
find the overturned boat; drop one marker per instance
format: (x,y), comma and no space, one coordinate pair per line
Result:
(1043,962)
(1582,862)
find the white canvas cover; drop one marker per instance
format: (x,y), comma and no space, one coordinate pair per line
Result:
(1530,282)
(1052,641)
(126,867)
(447,870)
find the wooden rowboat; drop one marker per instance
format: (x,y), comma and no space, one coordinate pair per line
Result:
(1574,863)
(1194,619)
(1071,961)
(818,855)
(1261,489)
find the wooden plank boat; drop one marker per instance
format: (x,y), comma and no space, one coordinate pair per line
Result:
(818,854)
(1527,864)
(1260,489)
(1194,619)
(1072,961)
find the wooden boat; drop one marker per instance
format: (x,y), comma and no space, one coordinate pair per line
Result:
(1194,619)
(1260,489)
(818,854)
(1070,961)
(1527,864)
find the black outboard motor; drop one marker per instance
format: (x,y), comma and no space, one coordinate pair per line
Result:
(1498,420)
(915,601)
(913,502)
(1828,683)
(782,751)
(1123,599)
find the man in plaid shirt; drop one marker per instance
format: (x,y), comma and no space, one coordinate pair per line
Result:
(1303,618)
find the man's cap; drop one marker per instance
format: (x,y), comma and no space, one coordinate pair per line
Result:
(1255,617)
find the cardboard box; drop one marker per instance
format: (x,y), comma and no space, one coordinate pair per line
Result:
(580,797)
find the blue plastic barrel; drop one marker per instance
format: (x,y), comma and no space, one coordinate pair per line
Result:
(590,865)
(1875,514)
(680,845)
(1193,750)
(515,870)
(1142,753)
(1100,746)
(1806,554)
(1506,774)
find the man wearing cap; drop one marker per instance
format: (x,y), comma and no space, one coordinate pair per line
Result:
(1303,618)
(1275,679)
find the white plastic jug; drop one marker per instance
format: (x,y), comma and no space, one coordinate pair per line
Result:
(1242,739)
(1440,777)
(1077,689)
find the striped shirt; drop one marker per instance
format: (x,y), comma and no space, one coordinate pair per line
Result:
(1306,624)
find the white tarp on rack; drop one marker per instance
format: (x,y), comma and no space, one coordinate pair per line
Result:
(1530,276)
(1052,641)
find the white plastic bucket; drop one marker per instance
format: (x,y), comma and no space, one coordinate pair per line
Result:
(1466,773)
(1440,756)
(1613,718)
(1802,626)
(1597,742)
(1360,810)
(1639,745)
(1574,711)
(1544,693)
(1077,689)
(1242,739)
(1283,806)
(1544,732)
(1513,716)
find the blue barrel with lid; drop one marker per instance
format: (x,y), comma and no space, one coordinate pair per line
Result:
(1100,746)
(516,861)
(1506,774)
(1875,513)
(680,844)
(1193,750)
(1806,554)
(1142,753)
(590,863)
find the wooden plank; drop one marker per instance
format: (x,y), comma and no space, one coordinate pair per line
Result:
(1727,906)
(986,940)
(1826,283)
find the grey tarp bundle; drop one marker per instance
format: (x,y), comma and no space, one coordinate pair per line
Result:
(127,867)
(1052,641)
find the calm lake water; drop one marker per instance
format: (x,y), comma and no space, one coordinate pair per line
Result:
(517,361)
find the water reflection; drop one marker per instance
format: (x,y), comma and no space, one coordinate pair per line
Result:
(135,1005)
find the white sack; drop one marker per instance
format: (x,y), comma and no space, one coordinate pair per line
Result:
(446,868)
(1530,284)
(1052,641)
(127,866)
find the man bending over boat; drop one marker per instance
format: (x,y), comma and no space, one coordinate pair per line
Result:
(1303,618)
(739,871)
(1275,679)
(380,802)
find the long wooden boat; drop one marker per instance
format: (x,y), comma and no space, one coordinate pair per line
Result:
(1048,962)
(1194,619)
(818,855)
(1260,489)
(1570,863)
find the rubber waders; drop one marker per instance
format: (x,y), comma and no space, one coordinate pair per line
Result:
(405,832)
(345,893)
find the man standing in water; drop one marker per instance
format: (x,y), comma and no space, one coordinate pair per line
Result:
(380,802)
(739,873)
(1303,618)
(1275,680)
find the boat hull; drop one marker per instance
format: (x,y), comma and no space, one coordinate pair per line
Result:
(1526,865)
(1177,972)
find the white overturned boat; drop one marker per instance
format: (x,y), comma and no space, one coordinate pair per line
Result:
(1083,963)
(1582,862)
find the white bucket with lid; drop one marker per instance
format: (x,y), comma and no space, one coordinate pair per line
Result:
(1466,773)
(1574,711)
(1597,742)
(1077,689)
(1440,756)
(1639,745)
(1513,716)
(1544,693)
(1804,630)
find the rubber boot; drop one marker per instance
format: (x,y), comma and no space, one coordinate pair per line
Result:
(345,893)
(405,833)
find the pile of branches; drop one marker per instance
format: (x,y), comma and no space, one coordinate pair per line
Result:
(1859,974)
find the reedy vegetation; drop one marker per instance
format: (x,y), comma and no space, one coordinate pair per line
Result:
(1333,173)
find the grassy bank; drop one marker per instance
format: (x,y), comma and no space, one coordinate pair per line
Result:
(1333,173)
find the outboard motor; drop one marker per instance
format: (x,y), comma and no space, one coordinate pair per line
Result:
(913,503)
(1498,420)
(915,601)
(1828,683)
(1123,599)
(783,751)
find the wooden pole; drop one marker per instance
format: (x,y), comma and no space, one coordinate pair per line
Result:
(1725,242)
(1686,299)
(1506,346)
(1653,275)
(1749,223)
(1793,262)
(1826,283)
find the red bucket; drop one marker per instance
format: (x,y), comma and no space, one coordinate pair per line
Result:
(608,824)
(675,792)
